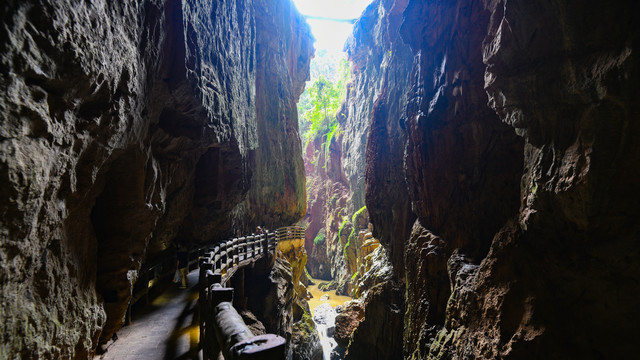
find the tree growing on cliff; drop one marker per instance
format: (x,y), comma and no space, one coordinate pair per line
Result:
(320,102)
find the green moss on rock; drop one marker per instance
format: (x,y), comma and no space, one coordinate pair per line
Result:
(320,238)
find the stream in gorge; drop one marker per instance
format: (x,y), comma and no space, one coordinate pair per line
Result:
(325,316)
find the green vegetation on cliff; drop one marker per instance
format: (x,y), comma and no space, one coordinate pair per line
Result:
(321,100)
(354,229)
(320,238)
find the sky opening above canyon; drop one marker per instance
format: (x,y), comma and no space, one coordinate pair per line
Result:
(331,35)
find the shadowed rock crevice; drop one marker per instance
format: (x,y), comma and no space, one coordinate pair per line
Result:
(122,221)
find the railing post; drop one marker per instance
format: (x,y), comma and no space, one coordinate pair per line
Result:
(229,254)
(236,252)
(246,247)
(265,249)
(202,301)
(221,327)
(218,257)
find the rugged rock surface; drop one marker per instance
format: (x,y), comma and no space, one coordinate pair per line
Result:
(546,269)
(126,125)
(327,208)
(272,297)
(305,341)
(377,335)
(295,254)
(283,48)
(519,153)
(380,55)
(347,320)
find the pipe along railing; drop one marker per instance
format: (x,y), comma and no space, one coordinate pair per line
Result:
(221,327)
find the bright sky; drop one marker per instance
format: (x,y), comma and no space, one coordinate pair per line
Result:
(331,35)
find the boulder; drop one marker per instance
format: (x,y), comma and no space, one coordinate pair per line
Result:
(350,316)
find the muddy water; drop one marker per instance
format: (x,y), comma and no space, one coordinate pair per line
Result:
(327,342)
(334,300)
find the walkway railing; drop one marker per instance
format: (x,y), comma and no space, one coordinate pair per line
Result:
(150,275)
(289,233)
(233,254)
(221,327)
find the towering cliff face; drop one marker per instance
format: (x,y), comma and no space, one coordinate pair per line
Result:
(381,66)
(564,76)
(126,125)
(327,208)
(519,162)
(463,165)
(284,47)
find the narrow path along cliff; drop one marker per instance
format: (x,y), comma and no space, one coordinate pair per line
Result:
(165,329)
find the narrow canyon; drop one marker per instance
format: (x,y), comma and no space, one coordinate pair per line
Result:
(473,191)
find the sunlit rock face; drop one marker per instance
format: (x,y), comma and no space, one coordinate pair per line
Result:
(327,208)
(520,163)
(380,57)
(283,50)
(273,298)
(124,126)
(381,65)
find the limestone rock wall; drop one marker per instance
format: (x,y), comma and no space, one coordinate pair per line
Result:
(519,159)
(126,125)
(284,47)
(564,77)
(280,306)
(381,65)
(379,53)
(327,208)
(463,165)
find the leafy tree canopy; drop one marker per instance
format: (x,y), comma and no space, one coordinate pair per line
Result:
(323,96)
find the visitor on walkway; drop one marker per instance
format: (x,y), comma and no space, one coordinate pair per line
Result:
(183,266)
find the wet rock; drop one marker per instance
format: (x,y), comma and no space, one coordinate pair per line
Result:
(347,320)
(324,314)
(376,336)
(337,353)
(331,330)
(305,341)
(328,286)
